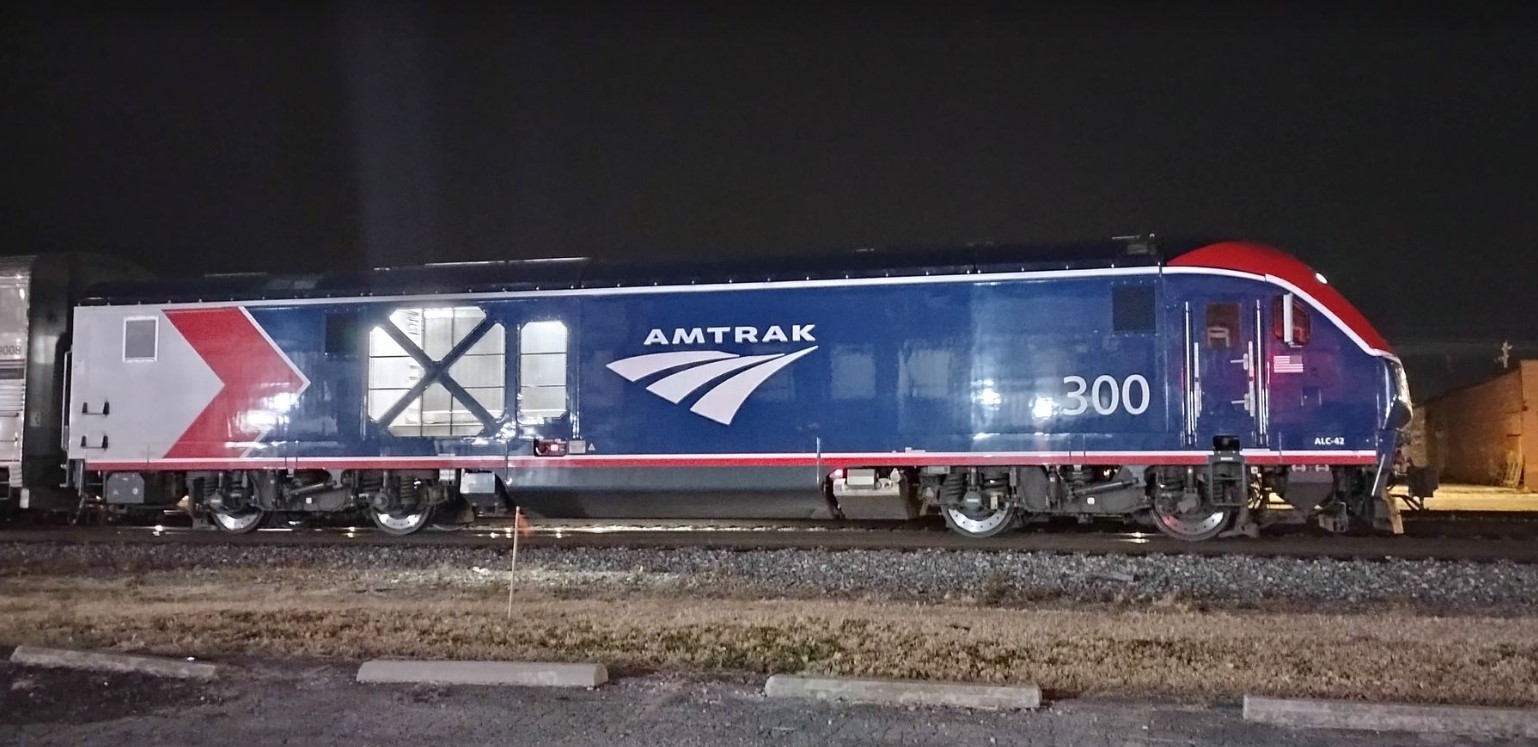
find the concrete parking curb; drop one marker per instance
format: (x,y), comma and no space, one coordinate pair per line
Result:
(152,665)
(904,692)
(1345,714)
(520,673)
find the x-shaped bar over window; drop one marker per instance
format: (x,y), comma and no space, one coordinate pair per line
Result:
(438,372)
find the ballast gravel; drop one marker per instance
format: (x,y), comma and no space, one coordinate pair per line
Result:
(989,577)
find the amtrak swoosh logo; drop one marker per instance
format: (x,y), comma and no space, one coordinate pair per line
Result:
(744,374)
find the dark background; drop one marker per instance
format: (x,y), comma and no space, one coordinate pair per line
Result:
(1393,149)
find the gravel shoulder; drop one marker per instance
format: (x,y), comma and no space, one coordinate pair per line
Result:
(990,577)
(1075,625)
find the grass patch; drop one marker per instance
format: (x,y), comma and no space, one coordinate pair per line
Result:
(1170,648)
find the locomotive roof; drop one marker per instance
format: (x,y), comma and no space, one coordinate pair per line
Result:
(582,272)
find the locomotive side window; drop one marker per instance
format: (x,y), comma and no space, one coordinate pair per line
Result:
(140,336)
(1290,322)
(396,395)
(1222,325)
(541,371)
(1132,308)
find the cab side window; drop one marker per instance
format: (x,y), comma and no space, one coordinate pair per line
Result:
(1222,325)
(1290,321)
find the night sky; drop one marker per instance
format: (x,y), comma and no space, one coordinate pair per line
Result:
(1395,152)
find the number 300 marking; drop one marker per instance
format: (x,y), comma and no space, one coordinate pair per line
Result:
(1121,395)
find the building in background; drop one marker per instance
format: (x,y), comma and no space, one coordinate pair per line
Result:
(1484,433)
(1437,365)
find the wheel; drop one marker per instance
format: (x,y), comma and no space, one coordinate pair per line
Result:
(1192,523)
(400,523)
(242,521)
(980,522)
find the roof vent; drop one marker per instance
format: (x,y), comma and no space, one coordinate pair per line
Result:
(1143,245)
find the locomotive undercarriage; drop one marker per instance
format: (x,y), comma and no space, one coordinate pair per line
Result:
(397,501)
(1188,502)
(1224,497)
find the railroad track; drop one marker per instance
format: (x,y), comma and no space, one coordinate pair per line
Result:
(1441,538)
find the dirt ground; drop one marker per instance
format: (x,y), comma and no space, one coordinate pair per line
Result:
(46,696)
(1159,650)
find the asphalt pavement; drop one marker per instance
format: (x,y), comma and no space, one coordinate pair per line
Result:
(318,702)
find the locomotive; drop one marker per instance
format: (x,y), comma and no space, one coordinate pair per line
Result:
(1187,387)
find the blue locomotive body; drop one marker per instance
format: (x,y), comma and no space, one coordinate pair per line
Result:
(992,389)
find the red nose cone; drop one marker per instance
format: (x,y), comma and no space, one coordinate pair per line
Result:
(1258,259)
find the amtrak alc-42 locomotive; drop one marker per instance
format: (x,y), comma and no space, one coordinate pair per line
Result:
(991,385)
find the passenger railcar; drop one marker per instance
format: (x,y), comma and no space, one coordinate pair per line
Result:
(991,385)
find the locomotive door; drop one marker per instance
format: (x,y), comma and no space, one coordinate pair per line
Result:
(1225,387)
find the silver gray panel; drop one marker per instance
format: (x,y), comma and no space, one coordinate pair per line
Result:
(152,401)
(15,281)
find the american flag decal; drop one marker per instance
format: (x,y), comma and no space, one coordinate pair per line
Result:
(1287,364)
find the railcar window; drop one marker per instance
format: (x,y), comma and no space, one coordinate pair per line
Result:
(139,338)
(1222,325)
(394,373)
(1301,324)
(1132,308)
(541,371)
(13,318)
